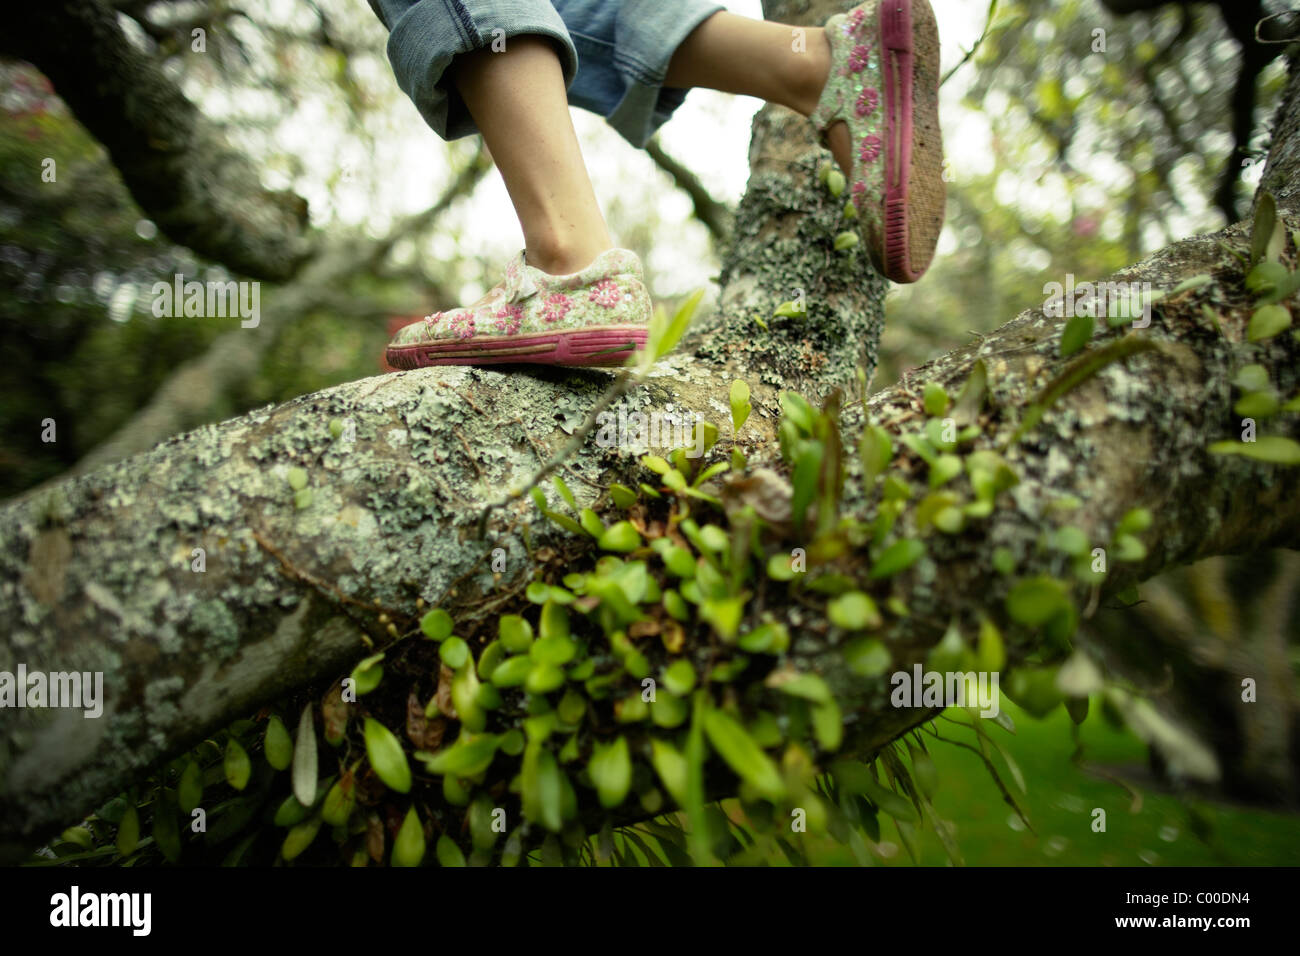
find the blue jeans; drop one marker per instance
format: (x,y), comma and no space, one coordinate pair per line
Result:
(614,53)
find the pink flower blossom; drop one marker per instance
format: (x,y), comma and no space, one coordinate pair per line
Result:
(1085,226)
(508,319)
(869,151)
(858,58)
(555,307)
(855,19)
(605,292)
(859,193)
(868,99)
(461,325)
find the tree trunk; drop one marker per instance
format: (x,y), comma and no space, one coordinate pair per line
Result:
(96,575)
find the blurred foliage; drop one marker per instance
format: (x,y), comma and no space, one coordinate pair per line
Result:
(76,260)
(1095,159)
(1061,795)
(1192,639)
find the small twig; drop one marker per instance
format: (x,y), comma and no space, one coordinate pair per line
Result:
(324,587)
(446,490)
(1076,758)
(480,611)
(532,442)
(993,6)
(461,186)
(307,577)
(716,216)
(1007,796)
(451,588)
(469,452)
(470,402)
(541,457)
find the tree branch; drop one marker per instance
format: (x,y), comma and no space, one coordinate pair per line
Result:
(198,190)
(716,216)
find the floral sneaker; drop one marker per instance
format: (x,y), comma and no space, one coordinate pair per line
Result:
(884,85)
(594,317)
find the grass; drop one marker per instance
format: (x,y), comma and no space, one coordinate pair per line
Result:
(1060,801)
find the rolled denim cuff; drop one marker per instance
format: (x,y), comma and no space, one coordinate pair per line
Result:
(648,33)
(426,37)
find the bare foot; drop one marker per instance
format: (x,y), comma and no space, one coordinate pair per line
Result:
(838,135)
(815,70)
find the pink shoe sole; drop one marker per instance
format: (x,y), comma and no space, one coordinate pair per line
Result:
(914,190)
(602,346)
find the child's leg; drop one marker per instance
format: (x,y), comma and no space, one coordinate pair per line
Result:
(570,298)
(518,101)
(759,58)
(737,54)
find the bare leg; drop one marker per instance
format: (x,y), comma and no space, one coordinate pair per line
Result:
(518,101)
(735,54)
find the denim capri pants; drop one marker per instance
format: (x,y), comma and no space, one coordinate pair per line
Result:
(614,53)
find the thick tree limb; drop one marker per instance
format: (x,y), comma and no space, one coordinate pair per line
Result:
(98,579)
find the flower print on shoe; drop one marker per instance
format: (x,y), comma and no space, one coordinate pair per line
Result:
(884,86)
(597,316)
